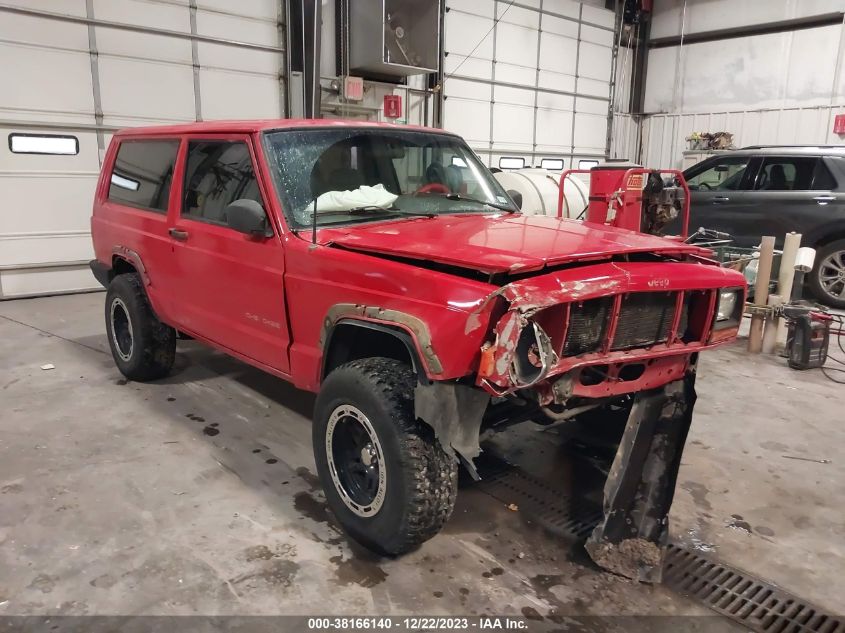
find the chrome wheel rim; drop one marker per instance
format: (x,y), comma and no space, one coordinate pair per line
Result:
(121,329)
(832,274)
(356,461)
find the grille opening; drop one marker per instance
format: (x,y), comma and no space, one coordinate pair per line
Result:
(694,313)
(587,326)
(631,372)
(594,375)
(645,319)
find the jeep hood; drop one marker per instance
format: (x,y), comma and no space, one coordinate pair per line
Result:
(499,243)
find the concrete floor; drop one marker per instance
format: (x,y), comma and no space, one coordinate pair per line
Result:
(196,494)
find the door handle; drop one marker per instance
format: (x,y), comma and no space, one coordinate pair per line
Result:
(824,199)
(178,234)
(720,199)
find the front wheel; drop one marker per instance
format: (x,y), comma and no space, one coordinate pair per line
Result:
(386,478)
(827,279)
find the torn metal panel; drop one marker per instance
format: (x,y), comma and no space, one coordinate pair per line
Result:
(455,413)
(411,323)
(641,483)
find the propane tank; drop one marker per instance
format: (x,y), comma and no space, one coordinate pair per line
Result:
(539,189)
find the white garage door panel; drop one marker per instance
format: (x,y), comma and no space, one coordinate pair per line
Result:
(595,61)
(512,125)
(230,95)
(468,90)
(228,27)
(470,119)
(516,45)
(508,73)
(267,9)
(143,46)
(43,201)
(67,7)
(467,67)
(590,133)
(26,282)
(485,8)
(515,96)
(128,95)
(464,31)
(160,15)
(554,130)
(556,81)
(558,53)
(569,8)
(558,26)
(29,250)
(32,30)
(45,80)
(228,57)
(519,16)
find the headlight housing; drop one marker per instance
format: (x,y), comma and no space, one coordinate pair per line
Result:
(729,306)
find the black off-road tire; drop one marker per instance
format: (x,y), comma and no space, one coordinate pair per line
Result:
(151,347)
(815,282)
(421,477)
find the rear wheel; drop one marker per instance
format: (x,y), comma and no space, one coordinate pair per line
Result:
(386,478)
(143,347)
(827,279)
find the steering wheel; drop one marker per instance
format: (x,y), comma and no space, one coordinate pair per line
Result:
(432,187)
(705,186)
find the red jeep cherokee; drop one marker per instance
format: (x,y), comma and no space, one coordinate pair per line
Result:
(384,267)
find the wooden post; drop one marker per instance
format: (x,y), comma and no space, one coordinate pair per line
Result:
(785,276)
(761,293)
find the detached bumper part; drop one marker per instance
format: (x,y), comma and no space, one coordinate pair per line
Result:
(631,538)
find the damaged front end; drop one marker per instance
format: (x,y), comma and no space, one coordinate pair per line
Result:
(573,344)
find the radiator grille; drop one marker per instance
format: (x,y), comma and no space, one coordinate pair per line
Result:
(645,318)
(587,326)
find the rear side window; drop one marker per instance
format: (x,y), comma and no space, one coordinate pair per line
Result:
(217,173)
(822,178)
(143,173)
(793,173)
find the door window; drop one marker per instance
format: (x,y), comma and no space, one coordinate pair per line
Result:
(142,174)
(216,174)
(793,173)
(723,174)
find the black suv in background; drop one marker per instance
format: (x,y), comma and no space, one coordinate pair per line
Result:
(758,191)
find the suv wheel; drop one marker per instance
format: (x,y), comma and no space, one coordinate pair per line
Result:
(386,478)
(827,281)
(143,347)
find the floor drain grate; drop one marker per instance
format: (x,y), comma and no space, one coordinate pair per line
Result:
(750,601)
(754,603)
(561,514)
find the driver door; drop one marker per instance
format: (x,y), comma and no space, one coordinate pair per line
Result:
(719,196)
(229,285)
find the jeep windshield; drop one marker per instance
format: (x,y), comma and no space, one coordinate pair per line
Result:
(389,173)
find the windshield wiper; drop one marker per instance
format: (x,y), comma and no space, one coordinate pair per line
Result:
(459,197)
(395,210)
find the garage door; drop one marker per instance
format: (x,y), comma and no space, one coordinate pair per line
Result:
(74,71)
(529,82)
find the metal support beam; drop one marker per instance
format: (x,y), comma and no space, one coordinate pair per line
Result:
(195,60)
(312,22)
(781,26)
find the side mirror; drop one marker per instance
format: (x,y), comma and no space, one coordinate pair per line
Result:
(248,216)
(516,197)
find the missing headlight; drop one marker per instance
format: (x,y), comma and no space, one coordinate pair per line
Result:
(532,357)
